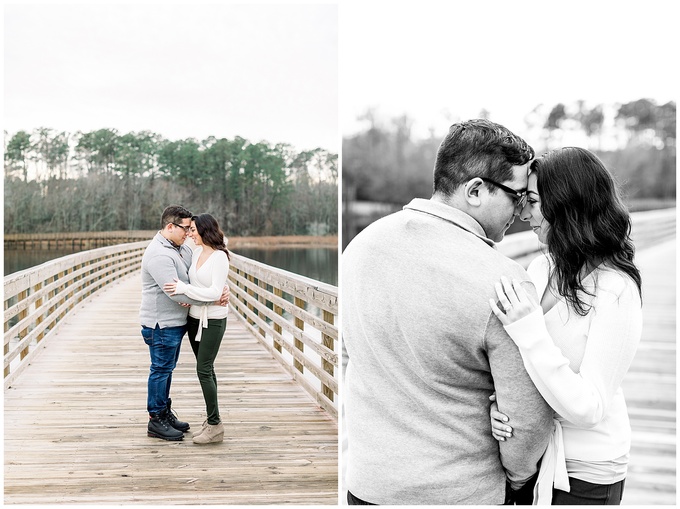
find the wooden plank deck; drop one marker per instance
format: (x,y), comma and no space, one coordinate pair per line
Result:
(649,387)
(75,422)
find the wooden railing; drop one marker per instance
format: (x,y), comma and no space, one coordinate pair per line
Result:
(80,241)
(650,227)
(295,317)
(36,300)
(74,240)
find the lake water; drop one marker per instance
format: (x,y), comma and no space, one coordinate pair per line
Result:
(315,263)
(19,259)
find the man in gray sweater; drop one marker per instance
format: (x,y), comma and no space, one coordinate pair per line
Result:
(164,319)
(426,352)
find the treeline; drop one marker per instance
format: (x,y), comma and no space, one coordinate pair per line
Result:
(103,180)
(636,140)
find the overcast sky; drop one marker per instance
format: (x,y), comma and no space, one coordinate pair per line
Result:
(439,61)
(263,72)
(271,71)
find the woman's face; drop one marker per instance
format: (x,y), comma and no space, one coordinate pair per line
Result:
(193,233)
(532,211)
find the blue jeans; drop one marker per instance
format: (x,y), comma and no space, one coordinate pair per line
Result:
(164,347)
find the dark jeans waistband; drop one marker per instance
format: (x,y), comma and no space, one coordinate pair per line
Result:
(587,493)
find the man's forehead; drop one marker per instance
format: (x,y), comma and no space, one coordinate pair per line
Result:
(186,222)
(520,174)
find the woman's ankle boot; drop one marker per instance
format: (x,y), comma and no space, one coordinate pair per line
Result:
(211,434)
(205,423)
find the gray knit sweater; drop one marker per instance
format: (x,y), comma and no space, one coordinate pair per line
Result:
(161,263)
(425,352)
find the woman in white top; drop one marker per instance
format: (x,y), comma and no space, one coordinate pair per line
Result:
(579,341)
(206,324)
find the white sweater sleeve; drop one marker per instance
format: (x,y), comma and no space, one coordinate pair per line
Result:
(212,293)
(583,398)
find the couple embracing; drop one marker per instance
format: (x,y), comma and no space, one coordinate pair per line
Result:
(177,281)
(471,380)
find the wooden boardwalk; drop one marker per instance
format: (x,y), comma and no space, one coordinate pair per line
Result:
(649,387)
(75,422)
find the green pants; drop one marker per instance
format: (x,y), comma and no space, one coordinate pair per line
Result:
(205,351)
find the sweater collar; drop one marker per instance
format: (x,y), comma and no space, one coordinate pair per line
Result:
(167,242)
(451,215)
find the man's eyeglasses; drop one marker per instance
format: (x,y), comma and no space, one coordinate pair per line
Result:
(185,228)
(520,197)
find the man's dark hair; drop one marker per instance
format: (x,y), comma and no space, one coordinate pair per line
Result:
(478,148)
(174,214)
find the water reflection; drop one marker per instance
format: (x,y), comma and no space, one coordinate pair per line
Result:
(315,263)
(20,259)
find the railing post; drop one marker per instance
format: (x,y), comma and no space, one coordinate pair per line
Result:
(51,294)
(22,315)
(92,281)
(279,311)
(330,344)
(69,283)
(23,330)
(62,287)
(300,324)
(241,285)
(40,318)
(251,278)
(6,349)
(262,300)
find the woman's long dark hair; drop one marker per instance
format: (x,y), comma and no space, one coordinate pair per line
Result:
(589,224)
(209,230)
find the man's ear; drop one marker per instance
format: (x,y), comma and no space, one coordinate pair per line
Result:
(472,192)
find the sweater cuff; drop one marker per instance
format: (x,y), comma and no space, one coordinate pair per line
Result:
(528,330)
(181,288)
